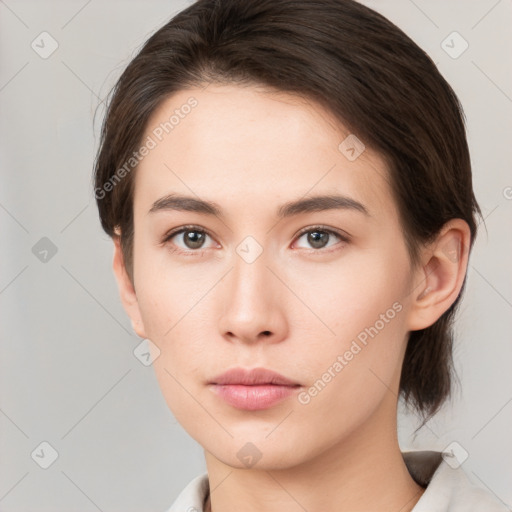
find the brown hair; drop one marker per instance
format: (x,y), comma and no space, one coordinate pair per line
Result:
(350,59)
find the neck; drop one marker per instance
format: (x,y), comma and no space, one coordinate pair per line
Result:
(362,472)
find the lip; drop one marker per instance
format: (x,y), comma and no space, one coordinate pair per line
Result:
(253,389)
(252,377)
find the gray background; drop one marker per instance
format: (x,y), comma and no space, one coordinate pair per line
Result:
(68,373)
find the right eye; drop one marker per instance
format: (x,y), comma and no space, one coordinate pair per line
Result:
(188,239)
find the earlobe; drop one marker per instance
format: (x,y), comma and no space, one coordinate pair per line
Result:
(127,290)
(441,276)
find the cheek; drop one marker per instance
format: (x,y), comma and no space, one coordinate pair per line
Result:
(357,343)
(351,374)
(343,298)
(169,293)
(172,323)
(173,303)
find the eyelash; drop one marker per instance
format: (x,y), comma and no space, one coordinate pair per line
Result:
(168,236)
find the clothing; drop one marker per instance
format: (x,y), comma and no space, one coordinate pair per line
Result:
(447,489)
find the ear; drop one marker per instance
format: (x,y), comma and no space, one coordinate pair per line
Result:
(127,290)
(441,275)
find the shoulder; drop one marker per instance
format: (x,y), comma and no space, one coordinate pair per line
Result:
(192,497)
(448,487)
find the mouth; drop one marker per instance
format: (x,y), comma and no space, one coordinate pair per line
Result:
(254,389)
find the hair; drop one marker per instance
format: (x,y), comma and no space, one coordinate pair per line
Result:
(348,58)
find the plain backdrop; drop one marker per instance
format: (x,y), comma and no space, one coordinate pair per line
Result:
(68,375)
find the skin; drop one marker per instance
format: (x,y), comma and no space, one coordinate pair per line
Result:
(250,150)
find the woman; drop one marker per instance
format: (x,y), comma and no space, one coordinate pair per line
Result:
(288,188)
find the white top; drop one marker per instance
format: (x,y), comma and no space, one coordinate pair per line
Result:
(448,489)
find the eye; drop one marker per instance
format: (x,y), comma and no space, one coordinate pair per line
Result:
(188,239)
(320,238)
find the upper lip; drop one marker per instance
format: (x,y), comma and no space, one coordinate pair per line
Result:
(252,377)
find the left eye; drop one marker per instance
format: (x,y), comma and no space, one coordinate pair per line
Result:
(319,238)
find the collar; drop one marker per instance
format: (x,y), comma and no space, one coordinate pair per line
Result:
(448,489)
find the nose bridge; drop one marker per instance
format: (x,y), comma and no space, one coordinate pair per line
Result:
(250,276)
(251,301)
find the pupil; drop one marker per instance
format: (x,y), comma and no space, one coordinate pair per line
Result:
(318,239)
(194,239)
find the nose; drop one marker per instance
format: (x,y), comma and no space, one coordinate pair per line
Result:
(253,303)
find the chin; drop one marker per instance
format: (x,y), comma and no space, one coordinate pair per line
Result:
(256,452)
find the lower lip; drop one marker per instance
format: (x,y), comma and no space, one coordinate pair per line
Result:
(253,398)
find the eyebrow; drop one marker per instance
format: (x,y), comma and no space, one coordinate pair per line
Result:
(289,209)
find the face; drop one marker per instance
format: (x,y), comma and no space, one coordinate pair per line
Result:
(256,270)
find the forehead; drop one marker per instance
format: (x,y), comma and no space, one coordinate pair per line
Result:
(248,146)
